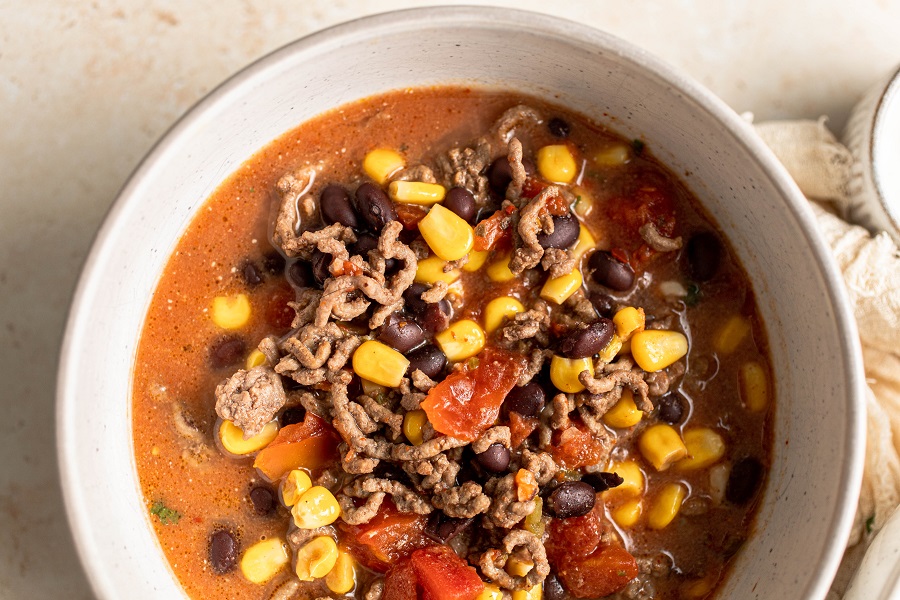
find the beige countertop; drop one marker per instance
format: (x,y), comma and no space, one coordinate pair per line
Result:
(87,87)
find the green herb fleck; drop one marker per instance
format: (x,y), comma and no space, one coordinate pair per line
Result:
(870,524)
(404,147)
(637,145)
(621,573)
(252,189)
(166,515)
(693,294)
(473,362)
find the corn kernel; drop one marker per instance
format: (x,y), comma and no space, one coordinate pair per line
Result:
(556,163)
(294,485)
(613,156)
(754,386)
(625,413)
(612,349)
(656,349)
(231,312)
(316,507)
(381,163)
(232,438)
(564,373)
(535,593)
(699,588)
(666,505)
(413,422)
(627,514)
(633,479)
(342,578)
(625,348)
(262,561)
(477,258)
(629,320)
(731,334)
(661,445)
(584,243)
(560,288)
(316,559)
(255,359)
(518,567)
(499,309)
(379,363)
(498,271)
(584,202)
(534,522)
(491,592)
(372,389)
(431,270)
(461,340)
(446,233)
(416,192)
(705,447)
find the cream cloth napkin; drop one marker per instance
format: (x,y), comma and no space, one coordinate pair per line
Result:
(871,267)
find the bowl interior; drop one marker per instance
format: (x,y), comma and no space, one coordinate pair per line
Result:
(805,516)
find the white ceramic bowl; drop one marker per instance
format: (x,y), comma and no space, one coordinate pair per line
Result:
(809,501)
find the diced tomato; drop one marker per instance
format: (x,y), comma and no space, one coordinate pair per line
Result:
(604,572)
(574,538)
(556,206)
(520,428)
(532,187)
(400,582)
(390,536)
(311,444)
(442,575)
(346,268)
(278,314)
(409,215)
(490,234)
(467,402)
(649,203)
(576,447)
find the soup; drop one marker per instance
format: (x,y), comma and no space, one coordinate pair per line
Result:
(452,343)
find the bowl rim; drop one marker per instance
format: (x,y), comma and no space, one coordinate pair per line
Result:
(888,99)
(841,520)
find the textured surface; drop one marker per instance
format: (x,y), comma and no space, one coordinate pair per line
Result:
(86,89)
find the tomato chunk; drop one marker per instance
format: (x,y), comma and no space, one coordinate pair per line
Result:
(389,537)
(409,215)
(442,575)
(520,428)
(400,582)
(311,444)
(490,234)
(467,402)
(574,538)
(576,447)
(602,573)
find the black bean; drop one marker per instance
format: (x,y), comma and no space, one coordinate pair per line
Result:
(366,242)
(462,202)
(565,232)
(670,408)
(704,253)
(273,263)
(553,588)
(527,400)
(429,359)
(401,334)
(442,528)
(293,415)
(495,459)
(226,352)
(263,500)
(588,341)
(413,298)
(571,499)
(744,480)
(610,271)
(374,205)
(223,551)
(602,480)
(300,274)
(334,202)
(250,274)
(499,175)
(320,263)
(558,127)
(603,303)
(436,318)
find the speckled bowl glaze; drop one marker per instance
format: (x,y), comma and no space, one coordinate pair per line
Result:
(808,503)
